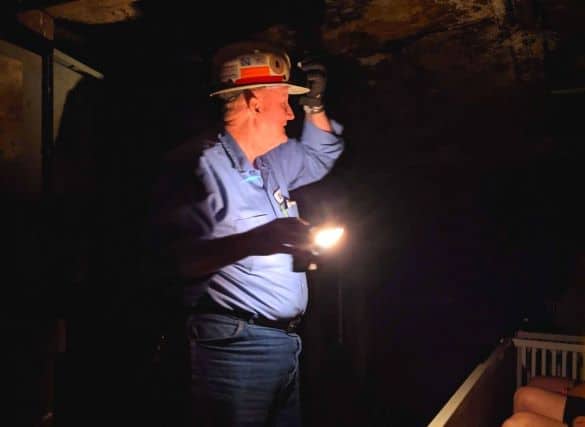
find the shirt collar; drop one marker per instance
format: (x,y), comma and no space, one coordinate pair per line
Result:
(234,152)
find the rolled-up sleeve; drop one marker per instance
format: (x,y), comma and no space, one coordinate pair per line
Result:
(312,157)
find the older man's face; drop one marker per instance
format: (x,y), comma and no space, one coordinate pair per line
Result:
(273,115)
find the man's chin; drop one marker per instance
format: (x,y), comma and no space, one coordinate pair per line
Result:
(283,137)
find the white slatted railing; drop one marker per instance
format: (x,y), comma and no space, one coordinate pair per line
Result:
(548,355)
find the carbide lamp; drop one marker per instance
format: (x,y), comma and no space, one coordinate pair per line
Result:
(323,238)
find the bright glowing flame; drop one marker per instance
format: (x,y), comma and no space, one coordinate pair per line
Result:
(327,237)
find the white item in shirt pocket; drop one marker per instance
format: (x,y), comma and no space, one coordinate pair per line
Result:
(292,208)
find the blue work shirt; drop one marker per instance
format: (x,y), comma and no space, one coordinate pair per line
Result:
(219,193)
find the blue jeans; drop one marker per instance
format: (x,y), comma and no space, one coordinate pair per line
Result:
(243,374)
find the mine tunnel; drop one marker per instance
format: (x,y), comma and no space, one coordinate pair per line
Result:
(458,189)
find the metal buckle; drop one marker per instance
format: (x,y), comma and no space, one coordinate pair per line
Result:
(292,325)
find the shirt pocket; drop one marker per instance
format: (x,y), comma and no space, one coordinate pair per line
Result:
(247,222)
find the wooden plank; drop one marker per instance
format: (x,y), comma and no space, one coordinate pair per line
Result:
(519,342)
(550,337)
(485,397)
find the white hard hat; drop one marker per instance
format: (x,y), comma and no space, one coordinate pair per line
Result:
(251,64)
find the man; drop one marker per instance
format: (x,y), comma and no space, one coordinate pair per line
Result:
(225,221)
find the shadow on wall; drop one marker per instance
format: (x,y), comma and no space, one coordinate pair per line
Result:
(112,135)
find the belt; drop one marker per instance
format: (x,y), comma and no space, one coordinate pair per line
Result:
(208,306)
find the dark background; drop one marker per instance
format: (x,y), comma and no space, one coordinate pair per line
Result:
(460,190)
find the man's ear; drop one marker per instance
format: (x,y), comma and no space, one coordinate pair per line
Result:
(254,104)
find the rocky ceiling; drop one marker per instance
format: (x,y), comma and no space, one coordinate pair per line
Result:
(438,69)
(511,35)
(95,11)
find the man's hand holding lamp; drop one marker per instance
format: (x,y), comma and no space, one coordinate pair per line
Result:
(323,240)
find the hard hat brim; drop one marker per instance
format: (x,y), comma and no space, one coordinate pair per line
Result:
(292,89)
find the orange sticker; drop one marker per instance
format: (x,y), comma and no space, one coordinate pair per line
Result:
(254,72)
